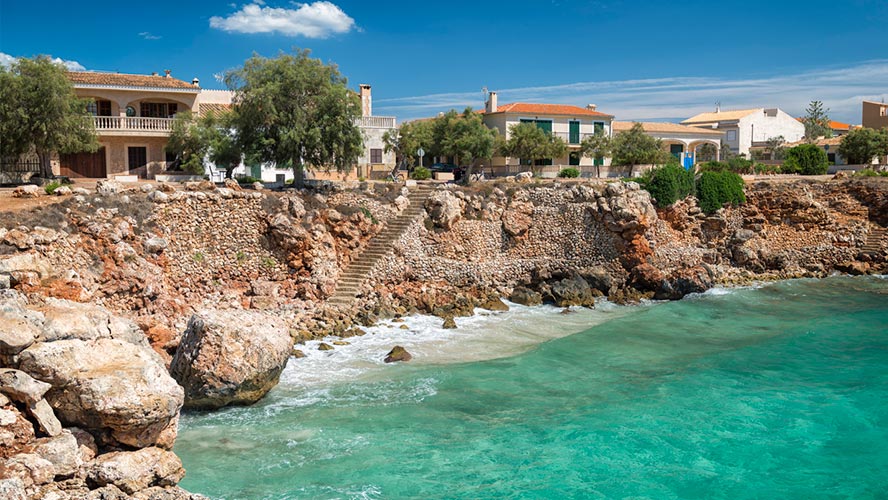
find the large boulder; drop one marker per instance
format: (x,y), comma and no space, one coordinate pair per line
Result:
(230,357)
(444,208)
(21,387)
(573,291)
(526,297)
(65,319)
(119,391)
(136,470)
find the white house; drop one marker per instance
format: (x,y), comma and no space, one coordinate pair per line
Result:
(682,141)
(571,123)
(750,127)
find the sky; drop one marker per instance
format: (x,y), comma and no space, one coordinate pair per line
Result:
(637,60)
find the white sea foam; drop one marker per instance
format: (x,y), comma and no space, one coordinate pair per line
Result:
(486,335)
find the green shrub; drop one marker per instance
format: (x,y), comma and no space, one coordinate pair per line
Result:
(762,168)
(569,173)
(868,172)
(806,159)
(369,215)
(247,179)
(421,174)
(669,183)
(52,186)
(740,165)
(713,166)
(714,189)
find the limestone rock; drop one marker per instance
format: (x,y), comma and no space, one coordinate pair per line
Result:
(155,245)
(80,191)
(62,191)
(106,187)
(21,387)
(573,291)
(323,346)
(230,357)
(116,389)
(18,239)
(526,297)
(449,323)
(232,185)
(30,468)
(494,304)
(158,196)
(65,319)
(524,177)
(136,470)
(444,208)
(12,489)
(26,191)
(46,419)
(62,451)
(397,354)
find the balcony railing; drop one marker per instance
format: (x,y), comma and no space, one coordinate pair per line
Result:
(566,137)
(133,123)
(376,122)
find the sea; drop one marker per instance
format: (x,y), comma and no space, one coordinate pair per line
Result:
(775,391)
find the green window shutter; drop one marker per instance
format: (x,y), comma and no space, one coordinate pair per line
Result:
(599,162)
(574,158)
(545,125)
(599,127)
(574,133)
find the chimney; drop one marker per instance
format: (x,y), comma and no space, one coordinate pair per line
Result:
(366,100)
(166,73)
(491,102)
(195,82)
(592,107)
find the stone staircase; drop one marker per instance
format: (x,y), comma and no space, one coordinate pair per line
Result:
(352,277)
(874,239)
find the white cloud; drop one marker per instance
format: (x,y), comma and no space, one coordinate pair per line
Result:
(311,20)
(676,98)
(148,36)
(6,60)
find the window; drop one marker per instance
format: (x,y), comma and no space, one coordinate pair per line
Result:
(137,156)
(546,125)
(883,111)
(130,111)
(375,155)
(99,108)
(158,109)
(599,127)
(732,135)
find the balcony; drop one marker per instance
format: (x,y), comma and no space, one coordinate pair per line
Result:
(566,137)
(133,126)
(387,122)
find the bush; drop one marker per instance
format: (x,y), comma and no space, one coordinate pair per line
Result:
(763,168)
(740,165)
(868,172)
(669,183)
(247,180)
(569,173)
(52,186)
(421,174)
(714,189)
(713,166)
(806,159)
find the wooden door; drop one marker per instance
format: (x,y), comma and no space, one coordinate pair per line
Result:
(91,165)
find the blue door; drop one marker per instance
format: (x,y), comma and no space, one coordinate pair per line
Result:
(688,162)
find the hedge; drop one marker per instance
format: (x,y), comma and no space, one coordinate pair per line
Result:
(805,159)
(669,183)
(569,173)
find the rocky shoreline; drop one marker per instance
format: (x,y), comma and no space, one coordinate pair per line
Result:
(123,306)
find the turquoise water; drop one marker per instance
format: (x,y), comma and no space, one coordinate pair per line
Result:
(772,392)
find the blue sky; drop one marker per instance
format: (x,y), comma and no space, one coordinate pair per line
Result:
(635,59)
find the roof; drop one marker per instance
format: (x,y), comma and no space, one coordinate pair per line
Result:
(721,116)
(823,141)
(214,107)
(832,124)
(125,80)
(548,109)
(666,128)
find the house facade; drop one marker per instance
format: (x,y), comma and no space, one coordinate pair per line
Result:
(875,114)
(682,141)
(747,128)
(374,160)
(133,116)
(570,123)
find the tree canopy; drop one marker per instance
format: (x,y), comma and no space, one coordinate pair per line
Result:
(817,122)
(213,137)
(296,110)
(806,159)
(464,136)
(635,147)
(530,143)
(862,145)
(597,146)
(407,139)
(39,112)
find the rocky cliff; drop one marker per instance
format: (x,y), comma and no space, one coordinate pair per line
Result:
(103,291)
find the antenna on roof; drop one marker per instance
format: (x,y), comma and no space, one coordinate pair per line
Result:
(718,105)
(484,93)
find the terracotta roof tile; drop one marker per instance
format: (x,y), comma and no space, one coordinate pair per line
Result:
(549,109)
(665,127)
(124,80)
(721,116)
